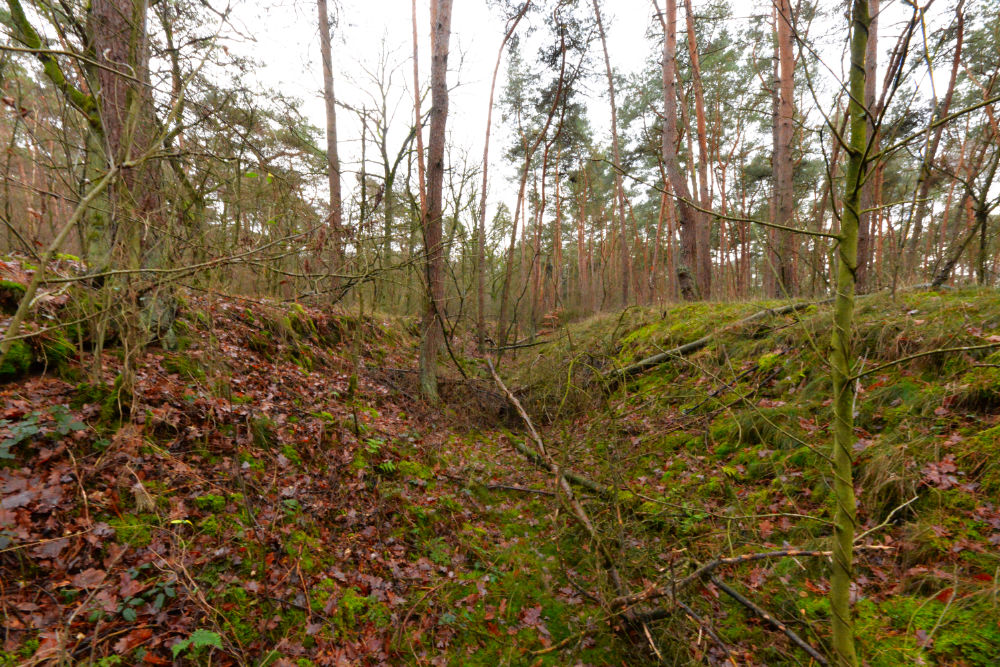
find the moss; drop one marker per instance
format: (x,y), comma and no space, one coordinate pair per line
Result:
(185,366)
(321,593)
(56,348)
(291,454)
(11,294)
(352,608)
(772,427)
(415,470)
(304,548)
(982,456)
(210,525)
(17,362)
(211,503)
(261,342)
(116,404)
(263,432)
(134,530)
(889,632)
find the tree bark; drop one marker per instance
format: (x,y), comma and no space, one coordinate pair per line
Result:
(433,325)
(481,235)
(783,242)
(418,115)
(332,157)
(616,155)
(869,192)
(121,46)
(703,268)
(689,218)
(842,354)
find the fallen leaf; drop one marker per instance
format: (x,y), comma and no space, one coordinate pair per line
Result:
(89,578)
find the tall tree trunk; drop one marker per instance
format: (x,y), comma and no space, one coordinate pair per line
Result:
(869,193)
(433,324)
(557,238)
(703,268)
(332,157)
(842,354)
(930,152)
(616,155)
(121,44)
(528,154)
(980,216)
(582,268)
(418,114)
(783,242)
(481,235)
(689,218)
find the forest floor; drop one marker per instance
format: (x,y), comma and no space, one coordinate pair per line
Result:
(250,503)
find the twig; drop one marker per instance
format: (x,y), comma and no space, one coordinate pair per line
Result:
(798,641)
(708,629)
(523,489)
(707,569)
(577,509)
(887,520)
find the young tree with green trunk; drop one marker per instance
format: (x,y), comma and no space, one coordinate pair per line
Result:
(842,355)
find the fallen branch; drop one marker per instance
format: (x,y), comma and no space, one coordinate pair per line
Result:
(522,489)
(749,604)
(616,375)
(707,569)
(577,509)
(702,624)
(590,485)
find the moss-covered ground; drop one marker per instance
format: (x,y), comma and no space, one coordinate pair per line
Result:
(725,452)
(273,493)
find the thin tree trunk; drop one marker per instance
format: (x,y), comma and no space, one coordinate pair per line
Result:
(924,180)
(419,122)
(332,157)
(842,354)
(481,237)
(869,193)
(784,205)
(703,268)
(433,324)
(616,155)
(582,269)
(528,154)
(688,217)
(557,238)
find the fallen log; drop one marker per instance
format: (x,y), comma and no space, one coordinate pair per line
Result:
(616,375)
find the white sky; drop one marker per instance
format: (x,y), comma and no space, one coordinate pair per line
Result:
(287,40)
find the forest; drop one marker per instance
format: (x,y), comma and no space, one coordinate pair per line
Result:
(500,332)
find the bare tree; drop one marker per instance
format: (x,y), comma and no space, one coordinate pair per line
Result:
(930,152)
(333,160)
(626,267)
(481,233)
(433,325)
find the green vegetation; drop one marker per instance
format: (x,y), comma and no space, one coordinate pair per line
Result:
(18,361)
